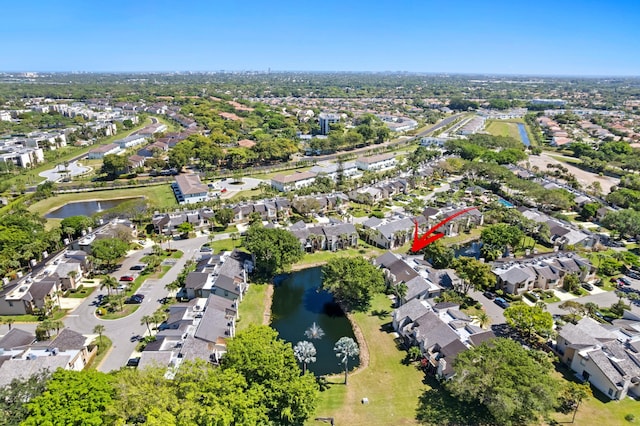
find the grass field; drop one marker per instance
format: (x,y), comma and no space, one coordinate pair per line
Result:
(392,388)
(104,345)
(252,306)
(503,128)
(320,257)
(161,196)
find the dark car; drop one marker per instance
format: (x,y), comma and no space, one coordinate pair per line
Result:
(501,302)
(139,296)
(624,281)
(138,267)
(633,274)
(587,286)
(133,362)
(136,338)
(489,295)
(126,278)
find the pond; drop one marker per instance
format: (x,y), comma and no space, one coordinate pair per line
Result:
(297,304)
(85,208)
(523,134)
(471,249)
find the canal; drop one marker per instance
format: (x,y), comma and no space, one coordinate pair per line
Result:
(523,134)
(297,305)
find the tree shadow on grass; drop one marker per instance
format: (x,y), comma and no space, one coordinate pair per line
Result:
(380,313)
(437,407)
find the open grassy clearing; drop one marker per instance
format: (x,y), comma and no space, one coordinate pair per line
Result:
(322,257)
(252,306)
(503,128)
(392,388)
(161,196)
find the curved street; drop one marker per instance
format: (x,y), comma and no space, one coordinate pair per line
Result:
(120,331)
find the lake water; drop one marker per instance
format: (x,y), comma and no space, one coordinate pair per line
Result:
(523,134)
(297,304)
(84,208)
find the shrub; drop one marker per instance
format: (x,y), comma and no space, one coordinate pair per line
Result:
(630,417)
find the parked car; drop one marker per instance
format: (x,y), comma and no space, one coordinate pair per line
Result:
(136,338)
(587,286)
(633,274)
(206,249)
(501,302)
(126,278)
(133,362)
(138,267)
(489,295)
(624,281)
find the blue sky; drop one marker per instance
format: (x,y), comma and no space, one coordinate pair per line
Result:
(561,37)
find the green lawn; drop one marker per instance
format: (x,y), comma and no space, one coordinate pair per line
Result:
(252,306)
(161,196)
(85,292)
(224,245)
(463,238)
(104,345)
(127,309)
(598,410)
(58,314)
(392,388)
(503,128)
(321,257)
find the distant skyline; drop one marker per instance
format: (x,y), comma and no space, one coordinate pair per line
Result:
(561,37)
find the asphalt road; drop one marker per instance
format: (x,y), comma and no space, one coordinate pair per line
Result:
(431,129)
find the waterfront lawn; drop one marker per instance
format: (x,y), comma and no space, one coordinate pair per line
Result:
(160,196)
(503,128)
(323,256)
(252,306)
(393,388)
(227,244)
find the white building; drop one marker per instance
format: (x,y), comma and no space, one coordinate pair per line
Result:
(21,157)
(377,162)
(293,181)
(129,141)
(99,152)
(349,169)
(189,189)
(326,120)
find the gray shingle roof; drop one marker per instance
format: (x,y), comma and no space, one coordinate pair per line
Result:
(213,325)
(68,339)
(412,310)
(196,280)
(16,338)
(432,331)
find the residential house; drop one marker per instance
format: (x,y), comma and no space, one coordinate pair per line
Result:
(224,275)
(544,271)
(606,357)
(398,270)
(332,236)
(130,141)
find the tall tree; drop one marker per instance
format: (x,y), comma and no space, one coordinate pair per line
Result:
(274,249)
(474,274)
(305,353)
(529,319)
(353,281)
(73,398)
(269,366)
(108,250)
(15,396)
(515,384)
(344,348)
(99,329)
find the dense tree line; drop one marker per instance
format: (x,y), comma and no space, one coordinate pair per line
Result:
(258,383)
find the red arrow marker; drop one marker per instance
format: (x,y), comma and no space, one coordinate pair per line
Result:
(421,242)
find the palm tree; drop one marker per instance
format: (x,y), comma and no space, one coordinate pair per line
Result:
(591,308)
(158,318)
(109,283)
(99,329)
(305,353)
(314,332)
(483,319)
(57,325)
(344,348)
(400,291)
(146,320)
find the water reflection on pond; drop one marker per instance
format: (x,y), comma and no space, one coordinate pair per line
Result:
(297,304)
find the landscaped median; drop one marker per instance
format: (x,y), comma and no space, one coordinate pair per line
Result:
(123,309)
